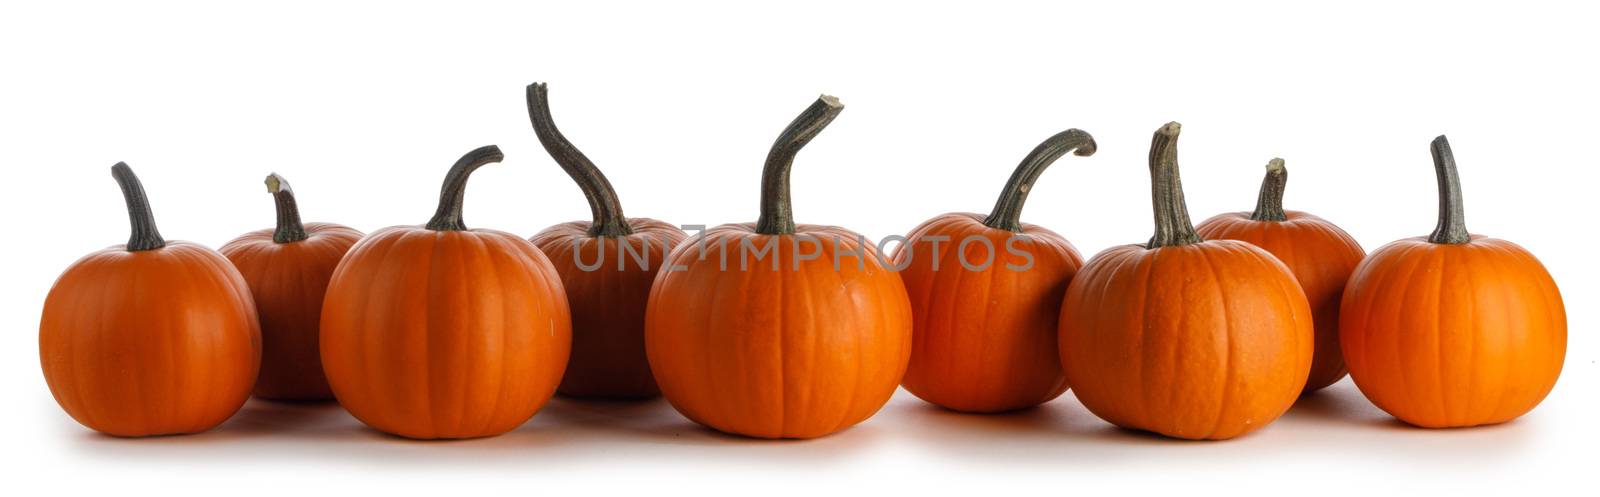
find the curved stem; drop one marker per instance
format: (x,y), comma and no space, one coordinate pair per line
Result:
(1452,227)
(1173,227)
(141,221)
(1007,213)
(1269,203)
(289,228)
(448,217)
(777,216)
(603,202)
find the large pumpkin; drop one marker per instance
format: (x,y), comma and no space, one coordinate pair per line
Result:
(607,266)
(778,330)
(151,337)
(287,268)
(1453,329)
(986,294)
(1320,255)
(1182,336)
(439,331)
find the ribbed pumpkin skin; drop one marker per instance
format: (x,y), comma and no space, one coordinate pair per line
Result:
(1320,255)
(1443,335)
(985,341)
(153,342)
(444,334)
(1203,341)
(287,281)
(608,304)
(777,353)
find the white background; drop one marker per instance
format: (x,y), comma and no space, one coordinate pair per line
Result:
(363,107)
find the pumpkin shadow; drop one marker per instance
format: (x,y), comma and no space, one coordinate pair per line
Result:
(273,417)
(256,418)
(1044,435)
(1340,419)
(1341,403)
(654,421)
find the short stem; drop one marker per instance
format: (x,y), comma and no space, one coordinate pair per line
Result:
(1173,227)
(1452,227)
(143,223)
(1007,213)
(777,216)
(1269,203)
(289,228)
(603,202)
(448,217)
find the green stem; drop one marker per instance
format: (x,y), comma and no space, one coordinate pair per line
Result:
(1269,203)
(448,217)
(289,229)
(777,215)
(1452,227)
(1007,213)
(603,202)
(1173,227)
(141,221)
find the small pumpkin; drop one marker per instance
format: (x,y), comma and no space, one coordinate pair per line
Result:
(1453,329)
(438,331)
(288,268)
(986,294)
(778,330)
(1182,336)
(152,337)
(607,266)
(1320,255)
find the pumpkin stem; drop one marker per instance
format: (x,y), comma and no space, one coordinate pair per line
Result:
(1452,227)
(140,219)
(289,228)
(603,202)
(448,217)
(1269,203)
(777,215)
(1007,213)
(1173,227)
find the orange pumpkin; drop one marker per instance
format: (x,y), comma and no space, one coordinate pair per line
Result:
(151,337)
(607,266)
(778,330)
(986,294)
(1453,329)
(1181,336)
(287,268)
(438,331)
(1320,255)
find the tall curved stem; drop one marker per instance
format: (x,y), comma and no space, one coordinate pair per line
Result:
(1452,227)
(1269,203)
(1173,227)
(448,216)
(1007,213)
(777,216)
(141,221)
(603,202)
(289,228)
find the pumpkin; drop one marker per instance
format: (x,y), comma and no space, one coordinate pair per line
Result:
(1320,255)
(1453,329)
(287,268)
(1182,336)
(152,337)
(438,331)
(607,266)
(986,294)
(778,330)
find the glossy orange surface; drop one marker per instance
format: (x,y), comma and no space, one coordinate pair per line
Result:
(773,346)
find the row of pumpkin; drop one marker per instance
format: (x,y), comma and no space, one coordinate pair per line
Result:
(440,331)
